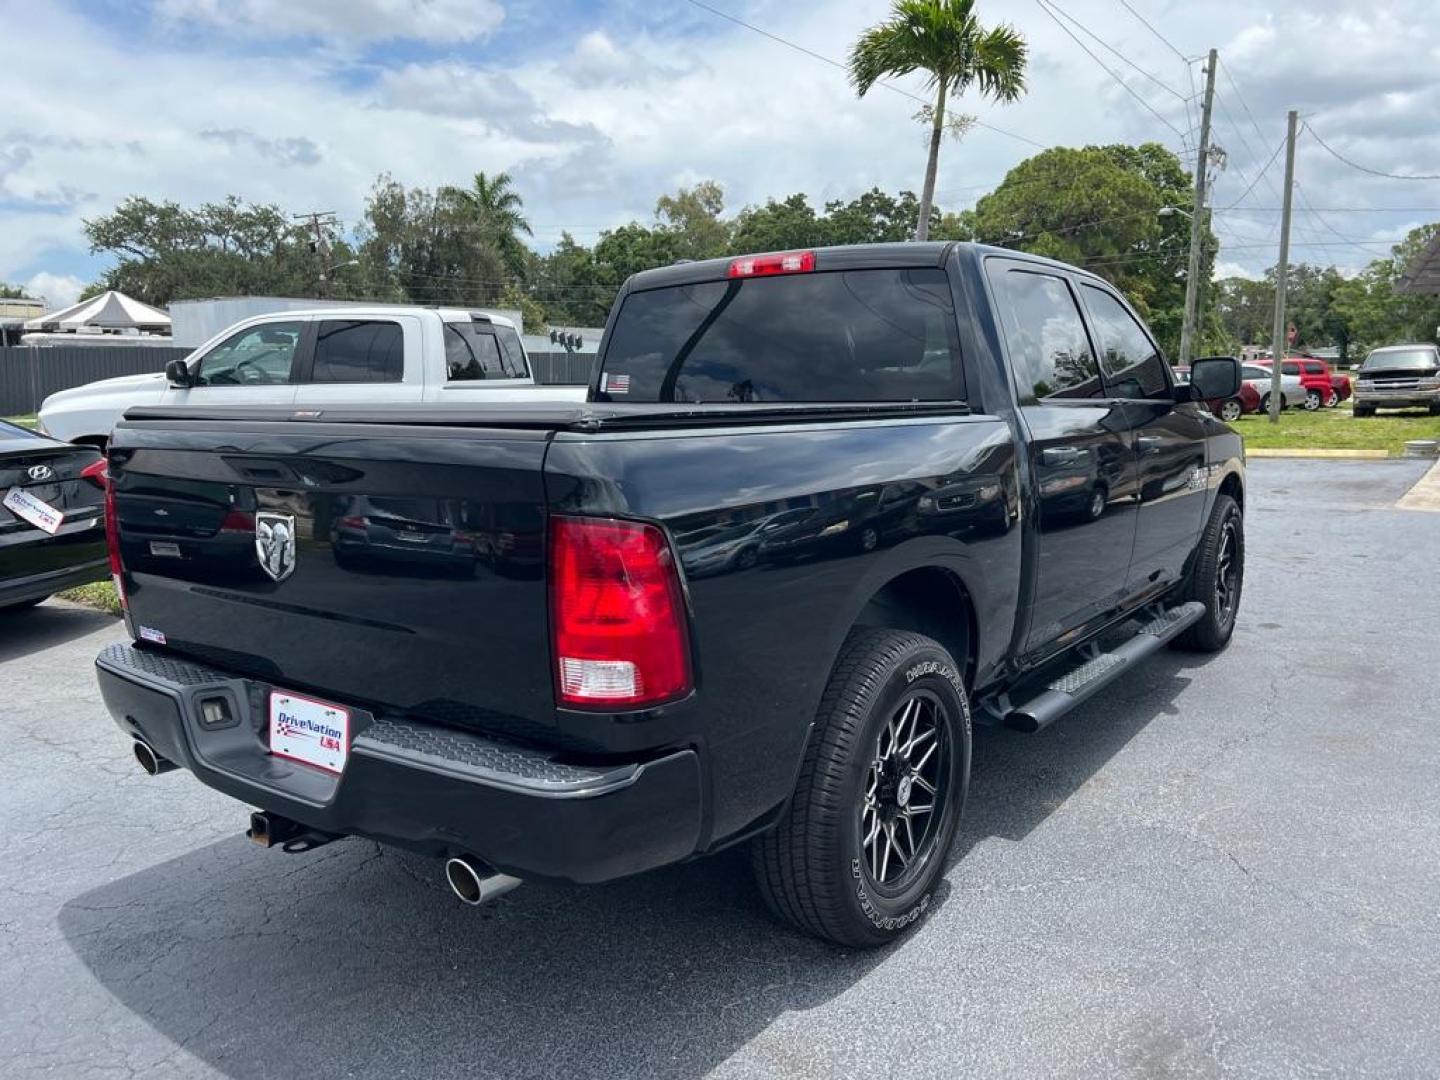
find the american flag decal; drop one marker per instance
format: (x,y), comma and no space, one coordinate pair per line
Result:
(617,384)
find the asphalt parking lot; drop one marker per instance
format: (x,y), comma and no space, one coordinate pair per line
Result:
(1226,867)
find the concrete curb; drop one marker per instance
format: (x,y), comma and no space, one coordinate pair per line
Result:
(1425,495)
(1358,455)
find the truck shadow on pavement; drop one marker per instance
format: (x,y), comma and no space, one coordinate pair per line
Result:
(33,630)
(355,960)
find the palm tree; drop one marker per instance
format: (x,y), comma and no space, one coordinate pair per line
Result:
(944,39)
(498,209)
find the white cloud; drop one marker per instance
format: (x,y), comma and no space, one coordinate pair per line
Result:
(59,290)
(352,21)
(1225,269)
(638,102)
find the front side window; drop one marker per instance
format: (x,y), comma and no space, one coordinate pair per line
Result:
(1132,365)
(1048,346)
(260,356)
(358,351)
(1290,369)
(854,335)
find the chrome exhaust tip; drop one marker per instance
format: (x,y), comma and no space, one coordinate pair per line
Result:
(149,760)
(474,882)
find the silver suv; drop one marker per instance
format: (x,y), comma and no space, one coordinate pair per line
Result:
(1399,377)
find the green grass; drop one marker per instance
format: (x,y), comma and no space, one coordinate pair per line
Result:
(99,594)
(28,421)
(1337,429)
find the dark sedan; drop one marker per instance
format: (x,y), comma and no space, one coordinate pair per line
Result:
(52,516)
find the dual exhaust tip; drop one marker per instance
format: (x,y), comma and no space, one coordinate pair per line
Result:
(149,760)
(472,881)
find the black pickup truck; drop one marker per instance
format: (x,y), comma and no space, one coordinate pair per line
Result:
(820,510)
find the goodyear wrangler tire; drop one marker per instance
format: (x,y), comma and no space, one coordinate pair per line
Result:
(866,836)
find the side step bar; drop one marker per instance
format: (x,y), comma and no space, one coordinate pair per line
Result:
(1100,669)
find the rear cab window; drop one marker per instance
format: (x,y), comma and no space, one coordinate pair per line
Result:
(477,351)
(868,335)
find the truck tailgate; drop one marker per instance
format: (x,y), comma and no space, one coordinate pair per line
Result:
(399,573)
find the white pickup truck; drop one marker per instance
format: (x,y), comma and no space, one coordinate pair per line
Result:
(323,357)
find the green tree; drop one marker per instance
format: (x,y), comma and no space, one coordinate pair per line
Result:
(424,247)
(169,252)
(1099,207)
(944,39)
(13,292)
(1374,313)
(778,226)
(874,218)
(498,212)
(692,217)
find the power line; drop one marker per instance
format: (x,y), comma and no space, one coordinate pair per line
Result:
(1335,210)
(1251,188)
(1109,71)
(1363,168)
(1163,39)
(845,68)
(1241,98)
(1116,52)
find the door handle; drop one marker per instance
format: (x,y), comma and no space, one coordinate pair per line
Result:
(1059,455)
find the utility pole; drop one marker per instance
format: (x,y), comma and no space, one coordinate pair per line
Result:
(319,221)
(1197,218)
(1281,338)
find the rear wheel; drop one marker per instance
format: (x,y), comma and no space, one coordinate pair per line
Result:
(1313,400)
(856,856)
(1231,410)
(1265,404)
(1332,399)
(1217,578)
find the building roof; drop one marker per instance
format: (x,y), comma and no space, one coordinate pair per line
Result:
(1422,276)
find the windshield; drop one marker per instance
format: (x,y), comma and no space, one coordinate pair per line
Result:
(1401,358)
(858,335)
(14,431)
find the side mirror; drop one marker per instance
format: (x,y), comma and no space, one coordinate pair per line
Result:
(1215,378)
(178,373)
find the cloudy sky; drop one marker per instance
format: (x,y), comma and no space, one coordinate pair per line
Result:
(598,106)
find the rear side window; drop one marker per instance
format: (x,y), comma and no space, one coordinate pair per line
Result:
(358,351)
(1132,364)
(1315,369)
(1049,349)
(856,335)
(479,351)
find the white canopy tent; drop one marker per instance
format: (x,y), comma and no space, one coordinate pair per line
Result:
(108,311)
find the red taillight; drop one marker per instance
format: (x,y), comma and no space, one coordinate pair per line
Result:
(96,472)
(617,614)
(781,262)
(112,544)
(237,521)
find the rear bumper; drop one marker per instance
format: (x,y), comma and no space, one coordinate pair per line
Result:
(419,786)
(39,586)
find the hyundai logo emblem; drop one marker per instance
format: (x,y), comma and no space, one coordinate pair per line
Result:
(41,473)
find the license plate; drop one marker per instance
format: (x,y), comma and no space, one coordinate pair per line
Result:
(36,511)
(309,731)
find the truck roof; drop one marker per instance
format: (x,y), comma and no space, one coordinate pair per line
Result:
(381,311)
(846,257)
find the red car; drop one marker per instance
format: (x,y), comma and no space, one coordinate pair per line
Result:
(1322,386)
(1229,409)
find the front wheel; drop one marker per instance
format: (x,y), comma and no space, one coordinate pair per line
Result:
(1313,400)
(1217,578)
(1265,404)
(1232,410)
(856,856)
(1362,411)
